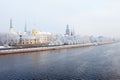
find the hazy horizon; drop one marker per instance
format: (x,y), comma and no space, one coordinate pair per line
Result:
(87,17)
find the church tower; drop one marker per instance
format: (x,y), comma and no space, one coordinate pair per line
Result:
(11,26)
(67,30)
(11,30)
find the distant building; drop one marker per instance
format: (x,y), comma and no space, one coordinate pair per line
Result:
(69,32)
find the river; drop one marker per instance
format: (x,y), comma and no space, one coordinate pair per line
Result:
(88,63)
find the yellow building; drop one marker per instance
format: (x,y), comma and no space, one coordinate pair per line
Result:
(36,38)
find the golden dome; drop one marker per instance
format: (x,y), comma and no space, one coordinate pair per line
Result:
(35,32)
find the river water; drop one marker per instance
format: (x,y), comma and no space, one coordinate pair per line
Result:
(88,63)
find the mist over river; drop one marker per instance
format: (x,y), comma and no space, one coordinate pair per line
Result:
(88,63)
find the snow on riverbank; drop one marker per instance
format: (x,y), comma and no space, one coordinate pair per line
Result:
(2,47)
(25,50)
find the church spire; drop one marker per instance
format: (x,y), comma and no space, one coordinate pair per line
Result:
(25,29)
(72,32)
(67,30)
(11,24)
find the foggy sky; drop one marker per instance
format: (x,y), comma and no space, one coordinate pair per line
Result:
(87,17)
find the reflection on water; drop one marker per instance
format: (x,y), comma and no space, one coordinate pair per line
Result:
(90,63)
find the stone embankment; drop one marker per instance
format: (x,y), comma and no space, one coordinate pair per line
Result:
(36,49)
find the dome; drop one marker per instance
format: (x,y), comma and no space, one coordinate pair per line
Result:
(35,32)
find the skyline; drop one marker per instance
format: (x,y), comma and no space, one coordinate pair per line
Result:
(86,17)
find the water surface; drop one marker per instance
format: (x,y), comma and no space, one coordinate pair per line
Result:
(89,63)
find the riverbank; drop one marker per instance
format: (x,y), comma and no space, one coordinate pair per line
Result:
(37,49)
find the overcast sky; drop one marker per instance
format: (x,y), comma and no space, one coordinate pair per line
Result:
(87,17)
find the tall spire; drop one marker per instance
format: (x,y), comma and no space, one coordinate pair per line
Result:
(25,29)
(11,24)
(11,27)
(67,30)
(72,32)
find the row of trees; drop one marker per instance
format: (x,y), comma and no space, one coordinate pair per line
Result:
(77,39)
(55,39)
(8,38)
